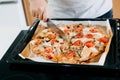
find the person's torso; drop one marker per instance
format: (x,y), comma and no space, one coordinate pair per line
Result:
(79,8)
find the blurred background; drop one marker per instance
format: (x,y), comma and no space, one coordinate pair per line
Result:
(16,12)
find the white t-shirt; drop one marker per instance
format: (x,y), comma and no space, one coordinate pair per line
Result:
(79,8)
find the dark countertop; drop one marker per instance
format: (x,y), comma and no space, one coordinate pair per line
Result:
(6,73)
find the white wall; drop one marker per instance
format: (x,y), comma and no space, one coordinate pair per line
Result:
(12,14)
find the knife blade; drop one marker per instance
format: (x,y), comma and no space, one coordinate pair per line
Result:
(51,25)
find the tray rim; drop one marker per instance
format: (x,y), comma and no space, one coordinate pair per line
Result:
(9,60)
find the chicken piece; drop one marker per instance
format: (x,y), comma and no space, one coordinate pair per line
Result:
(85,54)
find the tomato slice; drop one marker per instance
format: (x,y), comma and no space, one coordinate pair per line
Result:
(77,30)
(70,54)
(53,41)
(49,49)
(90,44)
(80,35)
(77,43)
(93,30)
(49,56)
(38,41)
(51,36)
(104,39)
(66,30)
(89,36)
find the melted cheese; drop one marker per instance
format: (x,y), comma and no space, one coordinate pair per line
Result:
(56,44)
(32,41)
(46,44)
(45,31)
(72,34)
(60,40)
(82,39)
(93,49)
(97,35)
(62,28)
(85,39)
(86,31)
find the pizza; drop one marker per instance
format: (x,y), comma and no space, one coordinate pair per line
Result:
(86,43)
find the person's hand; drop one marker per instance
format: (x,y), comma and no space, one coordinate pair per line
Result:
(39,9)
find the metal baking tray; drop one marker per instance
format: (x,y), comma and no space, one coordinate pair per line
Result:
(111,63)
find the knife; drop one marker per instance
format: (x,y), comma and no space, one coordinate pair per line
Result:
(51,25)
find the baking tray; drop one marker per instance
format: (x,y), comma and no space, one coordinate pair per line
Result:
(12,57)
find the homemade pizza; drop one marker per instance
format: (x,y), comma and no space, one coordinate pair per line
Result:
(85,44)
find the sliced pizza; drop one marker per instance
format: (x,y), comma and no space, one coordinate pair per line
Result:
(85,44)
